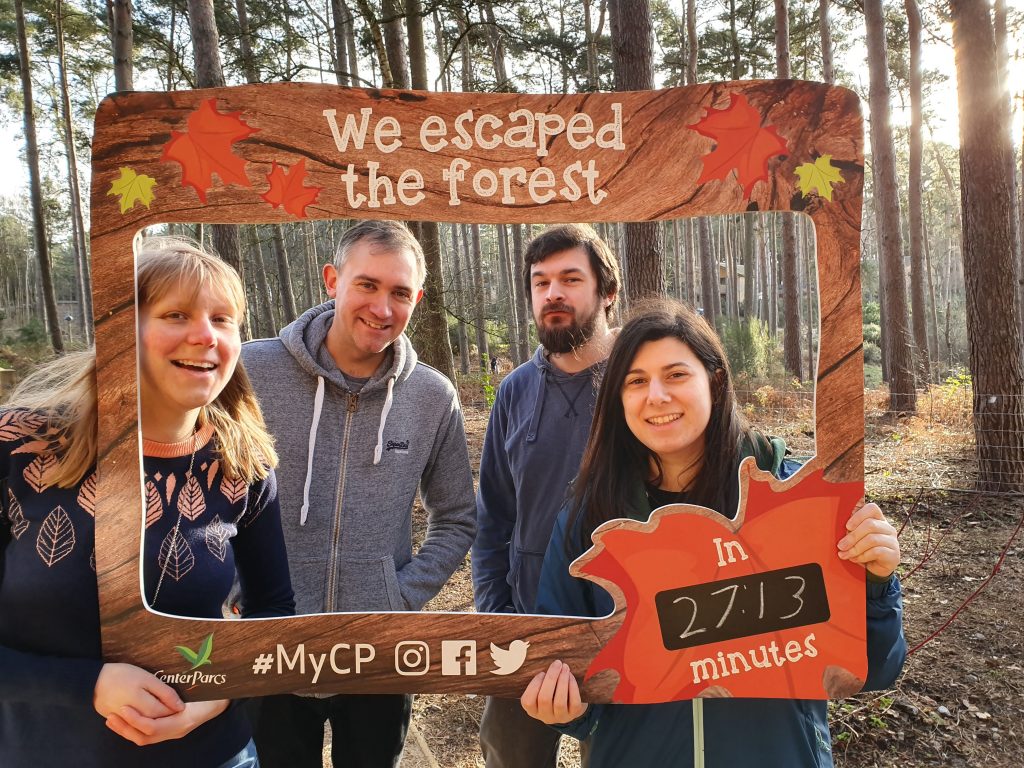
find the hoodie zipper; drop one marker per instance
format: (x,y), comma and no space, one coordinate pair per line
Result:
(332,573)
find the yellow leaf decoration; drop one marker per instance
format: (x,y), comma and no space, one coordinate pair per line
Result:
(132,188)
(819,175)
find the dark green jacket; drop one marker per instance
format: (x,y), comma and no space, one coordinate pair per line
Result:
(768,733)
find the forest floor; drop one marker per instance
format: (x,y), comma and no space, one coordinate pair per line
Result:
(960,700)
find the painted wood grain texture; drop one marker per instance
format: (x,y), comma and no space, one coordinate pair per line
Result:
(647,165)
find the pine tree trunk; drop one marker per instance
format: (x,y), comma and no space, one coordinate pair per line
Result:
(918,308)
(341,65)
(523,299)
(442,52)
(827,69)
(773,280)
(209,74)
(933,337)
(35,187)
(476,259)
(379,46)
(284,275)
(749,268)
(495,35)
(732,283)
(349,30)
(903,396)
(508,270)
(809,292)
(77,221)
(689,256)
(996,354)
(593,82)
(1003,63)
(691,42)
(262,284)
(119,13)
(245,43)
(708,273)
(633,59)
(435,346)
(790,268)
(677,254)
(460,301)
(309,270)
(395,45)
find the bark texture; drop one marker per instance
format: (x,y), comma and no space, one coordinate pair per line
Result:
(899,357)
(997,367)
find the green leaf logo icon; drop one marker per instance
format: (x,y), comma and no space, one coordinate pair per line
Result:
(200,657)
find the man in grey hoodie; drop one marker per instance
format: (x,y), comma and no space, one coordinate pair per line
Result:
(535,439)
(360,426)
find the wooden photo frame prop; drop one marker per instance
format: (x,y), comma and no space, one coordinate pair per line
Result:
(278,153)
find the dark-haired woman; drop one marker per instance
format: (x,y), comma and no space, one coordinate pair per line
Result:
(667,430)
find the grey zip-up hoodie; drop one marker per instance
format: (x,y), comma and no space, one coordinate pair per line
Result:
(351,464)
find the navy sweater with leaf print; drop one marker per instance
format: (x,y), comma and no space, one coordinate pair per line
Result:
(50,653)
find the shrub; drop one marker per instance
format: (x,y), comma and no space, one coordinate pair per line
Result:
(873,334)
(753,353)
(872,313)
(33,334)
(872,353)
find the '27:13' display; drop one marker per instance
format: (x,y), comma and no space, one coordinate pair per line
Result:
(743,606)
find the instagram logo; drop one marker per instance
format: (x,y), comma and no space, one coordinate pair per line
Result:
(412,658)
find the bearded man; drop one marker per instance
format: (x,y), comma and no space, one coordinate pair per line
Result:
(535,438)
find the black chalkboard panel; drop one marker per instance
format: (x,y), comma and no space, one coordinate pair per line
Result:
(743,606)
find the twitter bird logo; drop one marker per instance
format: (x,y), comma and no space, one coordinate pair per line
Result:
(509,660)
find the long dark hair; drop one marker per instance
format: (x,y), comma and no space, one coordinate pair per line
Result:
(615,462)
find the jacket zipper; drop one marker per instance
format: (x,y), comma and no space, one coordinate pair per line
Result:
(332,574)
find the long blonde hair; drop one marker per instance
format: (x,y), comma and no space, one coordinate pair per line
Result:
(63,391)
(164,264)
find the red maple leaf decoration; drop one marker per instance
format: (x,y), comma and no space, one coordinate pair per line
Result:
(205,149)
(286,188)
(787,524)
(742,143)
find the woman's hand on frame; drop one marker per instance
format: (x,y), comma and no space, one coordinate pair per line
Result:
(553,697)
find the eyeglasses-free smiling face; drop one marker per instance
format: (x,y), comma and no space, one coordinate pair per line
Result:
(374,296)
(666,399)
(189,346)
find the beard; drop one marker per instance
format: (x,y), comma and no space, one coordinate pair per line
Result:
(565,338)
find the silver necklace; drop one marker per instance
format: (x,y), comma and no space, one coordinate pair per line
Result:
(177,524)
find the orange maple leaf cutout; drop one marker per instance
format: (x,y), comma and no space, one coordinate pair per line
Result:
(743,144)
(205,148)
(757,607)
(286,188)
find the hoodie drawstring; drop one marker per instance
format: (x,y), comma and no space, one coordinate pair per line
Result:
(379,450)
(538,408)
(318,406)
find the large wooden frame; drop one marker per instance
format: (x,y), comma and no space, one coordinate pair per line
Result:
(708,149)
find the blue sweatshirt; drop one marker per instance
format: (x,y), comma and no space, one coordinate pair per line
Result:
(50,654)
(768,733)
(535,439)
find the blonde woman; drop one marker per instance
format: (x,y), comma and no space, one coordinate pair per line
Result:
(211,512)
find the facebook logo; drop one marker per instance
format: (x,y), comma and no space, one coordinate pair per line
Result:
(458,657)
